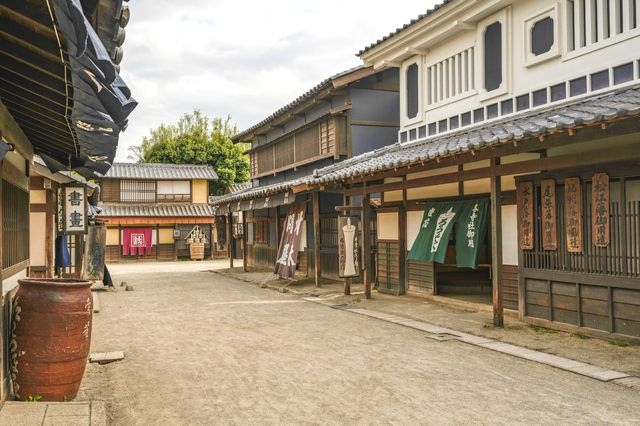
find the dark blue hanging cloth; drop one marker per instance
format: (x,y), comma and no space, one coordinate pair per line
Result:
(63,258)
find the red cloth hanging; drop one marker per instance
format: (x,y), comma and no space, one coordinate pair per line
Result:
(137,241)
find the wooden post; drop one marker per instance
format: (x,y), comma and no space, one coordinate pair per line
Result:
(366,245)
(347,281)
(49,238)
(496,246)
(229,238)
(316,237)
(245,248)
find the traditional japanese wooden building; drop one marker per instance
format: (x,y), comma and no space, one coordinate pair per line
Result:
(157,205)
(345,115)
(516,179)
(61,97)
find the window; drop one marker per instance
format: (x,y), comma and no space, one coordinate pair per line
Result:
(174,190)
(595,21)
(558,92)
(493,57)
(261,234)
(138,191)
(541,36)
(15,225)
(600,80)
(451,77)
(412,91)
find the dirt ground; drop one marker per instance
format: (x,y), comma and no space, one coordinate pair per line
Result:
(202,348)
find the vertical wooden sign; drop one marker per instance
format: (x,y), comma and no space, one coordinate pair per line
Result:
(573,214)
(524,199)
(600,209)
(549,228)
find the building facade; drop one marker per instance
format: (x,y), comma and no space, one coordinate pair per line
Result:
(61,97)
(343,116)
(528,112)
(157,206)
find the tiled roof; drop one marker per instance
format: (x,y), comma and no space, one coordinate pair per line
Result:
(620,103)
(156,210)
(249,193)
(405,26)
(161,171)
(324,84)
(241,186)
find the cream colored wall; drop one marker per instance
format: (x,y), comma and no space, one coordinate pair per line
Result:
(38,196)
(509,235)
(37,225)
(166,236)
(112,237)
(200,191)
(461,26)
(414,220)
(388,226)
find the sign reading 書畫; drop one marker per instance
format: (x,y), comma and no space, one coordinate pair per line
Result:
(74,210)
(573,214)
(600,209)
(548,200)
(524,201)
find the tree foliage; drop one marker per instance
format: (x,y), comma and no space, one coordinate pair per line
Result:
(197,139)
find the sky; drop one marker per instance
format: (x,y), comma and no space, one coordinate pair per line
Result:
(243,59)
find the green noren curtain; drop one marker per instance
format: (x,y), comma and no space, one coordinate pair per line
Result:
(437,223)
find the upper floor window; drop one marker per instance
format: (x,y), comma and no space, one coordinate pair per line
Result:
(451,77)
(541,36)
(412,91)
(138,191)
(493,57)
(594,21)
(493,54)
(174,190)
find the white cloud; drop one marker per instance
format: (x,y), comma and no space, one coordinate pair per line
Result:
(242,58)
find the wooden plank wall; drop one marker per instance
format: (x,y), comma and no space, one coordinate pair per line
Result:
(388,272)
(110,190)
(510,283)
(420,276)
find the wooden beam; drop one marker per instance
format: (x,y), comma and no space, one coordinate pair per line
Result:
(13,134)
(315,201)
(496,246)
(366,245)
(27,22)
(229,238)
(245,247)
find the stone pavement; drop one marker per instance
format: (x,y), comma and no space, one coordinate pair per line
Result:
(53,414)
(203,348)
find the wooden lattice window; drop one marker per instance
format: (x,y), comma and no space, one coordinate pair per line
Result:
(15,225)
(265,159)
(327,137)
(307,145)
(138,191)
(254,164)
(284,153)
(261,234)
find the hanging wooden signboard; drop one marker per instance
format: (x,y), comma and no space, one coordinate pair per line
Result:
(74,210)
(524,200)
(548,200)
(290,241)
(573,214)
(348,246)
(600,209)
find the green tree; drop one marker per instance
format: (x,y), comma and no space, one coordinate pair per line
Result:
(197,139)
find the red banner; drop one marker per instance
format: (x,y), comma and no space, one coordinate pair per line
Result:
(290,241)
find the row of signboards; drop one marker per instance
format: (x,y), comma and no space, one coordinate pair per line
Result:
(573,214)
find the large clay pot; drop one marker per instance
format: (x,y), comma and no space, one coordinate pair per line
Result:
(51,337)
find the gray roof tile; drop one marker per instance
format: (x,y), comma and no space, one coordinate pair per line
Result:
(161,171)
(156,210)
